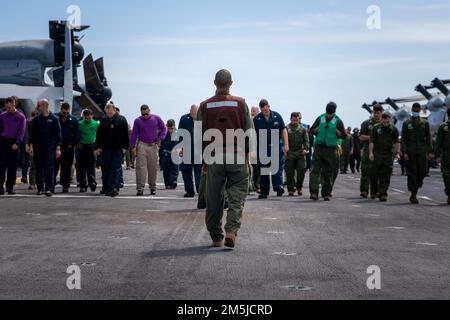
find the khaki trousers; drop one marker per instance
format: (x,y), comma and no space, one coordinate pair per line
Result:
(146,165)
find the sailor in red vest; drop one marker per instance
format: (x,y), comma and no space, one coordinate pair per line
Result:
(227,162)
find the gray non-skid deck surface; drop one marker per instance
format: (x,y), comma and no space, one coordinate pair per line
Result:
(156,248)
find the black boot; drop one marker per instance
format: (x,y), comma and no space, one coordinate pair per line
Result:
(280,192)
(201,205)
(413,198)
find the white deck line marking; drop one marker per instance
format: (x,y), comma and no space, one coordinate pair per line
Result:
(137,222)
(30,196)
(284,254)
(426,244)
(425,198)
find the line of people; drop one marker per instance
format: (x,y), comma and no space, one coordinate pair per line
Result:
(55,141)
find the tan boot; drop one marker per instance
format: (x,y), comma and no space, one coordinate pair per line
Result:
(230,240)
(217,244)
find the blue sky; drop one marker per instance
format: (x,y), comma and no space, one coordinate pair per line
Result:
(297,54)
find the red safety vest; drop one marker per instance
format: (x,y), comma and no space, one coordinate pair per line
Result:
(224,112)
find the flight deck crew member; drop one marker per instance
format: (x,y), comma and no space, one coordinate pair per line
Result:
(86,151)
(225,112)
(187,123)
(328,128)
(270,120)
(417,149)
(170,169)
(384,142)
(12,132)
(148,129)
(443,153)
(111,144)
(70,135)
(366,131)
(32,171)
(256,170)
(309,155)
(355,158)
(45,148)
(347,151)
(296,159)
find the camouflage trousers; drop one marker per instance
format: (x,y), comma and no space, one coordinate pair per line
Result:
(234,178)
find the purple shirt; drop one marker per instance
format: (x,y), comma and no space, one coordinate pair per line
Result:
(12,126)
(147,130)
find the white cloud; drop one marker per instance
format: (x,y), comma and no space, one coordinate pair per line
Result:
(182,41)
(426,33)
(233,26)
(338,68)
(423,7)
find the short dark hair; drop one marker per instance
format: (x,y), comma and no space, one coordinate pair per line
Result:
(295,115)
(387,115)
(331,107)
(378,108)
(145,107)
(417,106)
(87,112)
(10,100)
(223,78)
(65,106)
(171,123)
(263,103)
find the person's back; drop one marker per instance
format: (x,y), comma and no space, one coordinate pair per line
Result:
(224,112)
